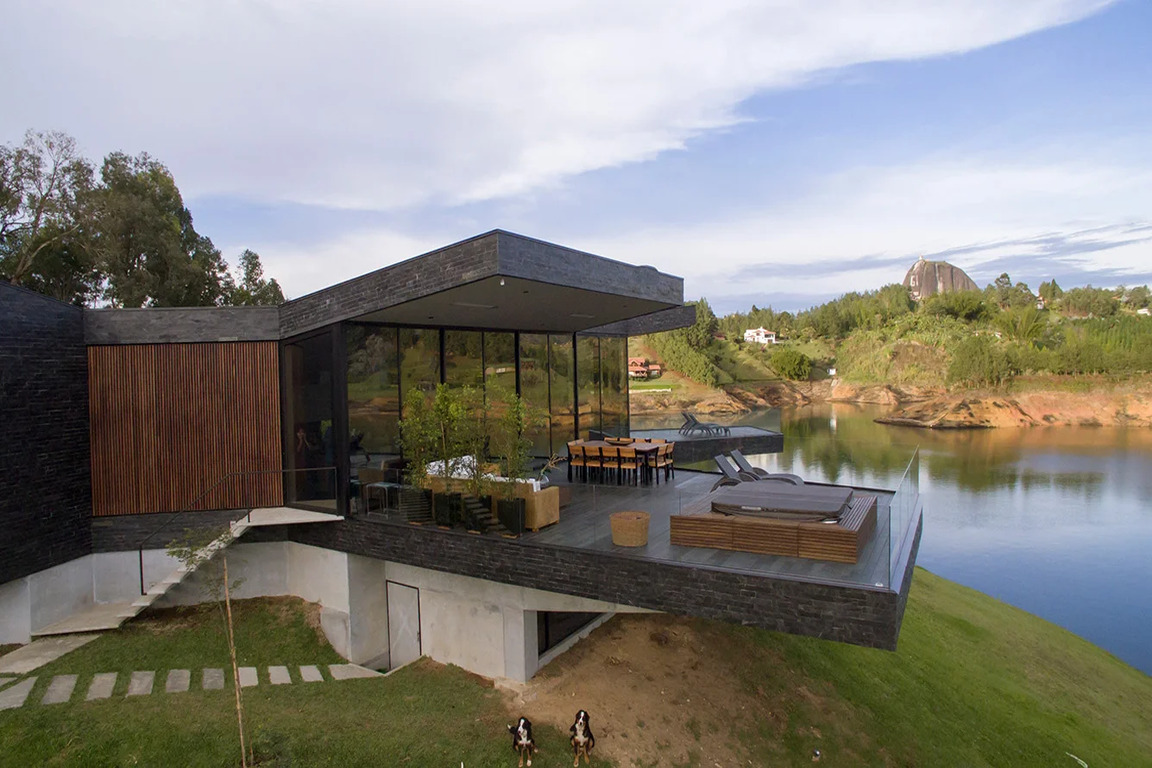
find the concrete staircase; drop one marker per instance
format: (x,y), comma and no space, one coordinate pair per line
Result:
(108,616)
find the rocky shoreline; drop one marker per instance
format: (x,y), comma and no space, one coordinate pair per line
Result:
(1089,403)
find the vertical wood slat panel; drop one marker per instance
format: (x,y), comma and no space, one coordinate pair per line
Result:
(169,421)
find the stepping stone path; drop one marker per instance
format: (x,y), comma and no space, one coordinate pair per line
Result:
(102,685)
(61,687)
(178,680)
(141,683)
(213,679)
(59,690)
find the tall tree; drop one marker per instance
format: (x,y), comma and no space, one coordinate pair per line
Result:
(46,216)
(253,287)
(149,252)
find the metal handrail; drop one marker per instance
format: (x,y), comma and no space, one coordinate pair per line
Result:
(174,514)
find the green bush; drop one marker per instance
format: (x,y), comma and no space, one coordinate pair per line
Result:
(791,363)
(980,362)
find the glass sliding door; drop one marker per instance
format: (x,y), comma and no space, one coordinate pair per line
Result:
(373,394)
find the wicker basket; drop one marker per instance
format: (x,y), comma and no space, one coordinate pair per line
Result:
(630,528)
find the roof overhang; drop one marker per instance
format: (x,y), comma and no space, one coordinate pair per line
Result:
(494,281)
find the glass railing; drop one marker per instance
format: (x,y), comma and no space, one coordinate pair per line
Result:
(903,519)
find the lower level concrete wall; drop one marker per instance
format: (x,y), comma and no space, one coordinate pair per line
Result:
(483,626)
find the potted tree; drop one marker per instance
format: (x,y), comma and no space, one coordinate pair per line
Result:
(512,447)
(418,437)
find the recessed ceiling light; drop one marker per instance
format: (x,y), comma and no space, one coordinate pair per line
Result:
(471,305)
(582,316)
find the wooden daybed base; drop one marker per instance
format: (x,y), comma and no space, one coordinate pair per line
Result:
(840,542)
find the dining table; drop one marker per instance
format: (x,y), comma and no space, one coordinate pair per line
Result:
(644,450)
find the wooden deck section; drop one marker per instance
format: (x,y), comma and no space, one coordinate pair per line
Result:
(584,525)
(841,542)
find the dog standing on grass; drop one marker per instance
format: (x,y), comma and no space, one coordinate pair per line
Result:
(582,738)
(522,740)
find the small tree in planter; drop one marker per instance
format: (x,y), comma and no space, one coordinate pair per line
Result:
(512,447)
(473,438)
(418,438)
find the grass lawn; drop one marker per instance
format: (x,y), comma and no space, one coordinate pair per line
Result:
(974,683)
(425,714)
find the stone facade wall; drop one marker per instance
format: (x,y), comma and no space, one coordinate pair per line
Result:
(45,488)
(169,325)
(854,615)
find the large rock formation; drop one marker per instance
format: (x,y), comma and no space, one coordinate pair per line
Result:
(927,278)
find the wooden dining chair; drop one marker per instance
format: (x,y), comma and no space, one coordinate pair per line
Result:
(576,460)
(609,462)
(665,462)
(629,462)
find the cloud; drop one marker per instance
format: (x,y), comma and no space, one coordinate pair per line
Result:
(386,105)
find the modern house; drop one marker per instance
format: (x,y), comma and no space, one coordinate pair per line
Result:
(123,428)
(759,336)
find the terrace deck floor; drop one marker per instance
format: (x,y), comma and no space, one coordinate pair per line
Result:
(585,524)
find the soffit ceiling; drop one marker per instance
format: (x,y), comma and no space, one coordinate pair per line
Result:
(518,304)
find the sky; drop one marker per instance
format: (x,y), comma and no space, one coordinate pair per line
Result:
(770,153)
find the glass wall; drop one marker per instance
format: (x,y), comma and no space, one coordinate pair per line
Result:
(561,391)
(534,386)
(307,391)
(419,361)
(373,394)
(588,384)
(464,358)
(614,385)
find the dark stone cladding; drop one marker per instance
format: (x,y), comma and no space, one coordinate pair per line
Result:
(120,533)
(861,616)
(173,325)
(537,260)
(45,483)
(488,255)
(432,272)
(655,322)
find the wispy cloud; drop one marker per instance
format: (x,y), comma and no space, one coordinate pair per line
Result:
(374,105)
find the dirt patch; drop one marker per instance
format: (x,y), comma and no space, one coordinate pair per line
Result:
(653,692)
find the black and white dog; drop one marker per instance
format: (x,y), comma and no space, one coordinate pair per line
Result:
(522,740)
(582,738)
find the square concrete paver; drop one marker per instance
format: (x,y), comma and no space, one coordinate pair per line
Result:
(279,676)
(178,680)
(310,673)
(213,679)
(59,690)
(102,685)
(140,684)
(350,671)
(248,677)
(14,695)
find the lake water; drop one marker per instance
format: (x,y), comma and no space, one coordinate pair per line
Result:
(1057,521)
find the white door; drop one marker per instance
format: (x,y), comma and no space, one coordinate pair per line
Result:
(403,624)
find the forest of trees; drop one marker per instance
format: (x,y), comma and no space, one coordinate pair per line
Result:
(118,236)
(976,338)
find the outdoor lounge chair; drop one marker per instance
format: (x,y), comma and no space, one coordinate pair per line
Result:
(763,474)
(731,475)
(692,424)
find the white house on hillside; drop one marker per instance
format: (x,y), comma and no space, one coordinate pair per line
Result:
(759,336)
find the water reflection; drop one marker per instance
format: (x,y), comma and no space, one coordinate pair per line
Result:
(1054,520)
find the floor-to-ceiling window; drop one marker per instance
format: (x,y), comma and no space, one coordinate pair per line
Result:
(561,391)
(588,384)
(373,393)
(534,387)
(419,362)
(464,358)
(614,385)
(310,431)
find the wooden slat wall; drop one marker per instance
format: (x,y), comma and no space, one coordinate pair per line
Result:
(170,421)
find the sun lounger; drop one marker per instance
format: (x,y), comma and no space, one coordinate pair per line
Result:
(692,424)
(731,475)
(763,474)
